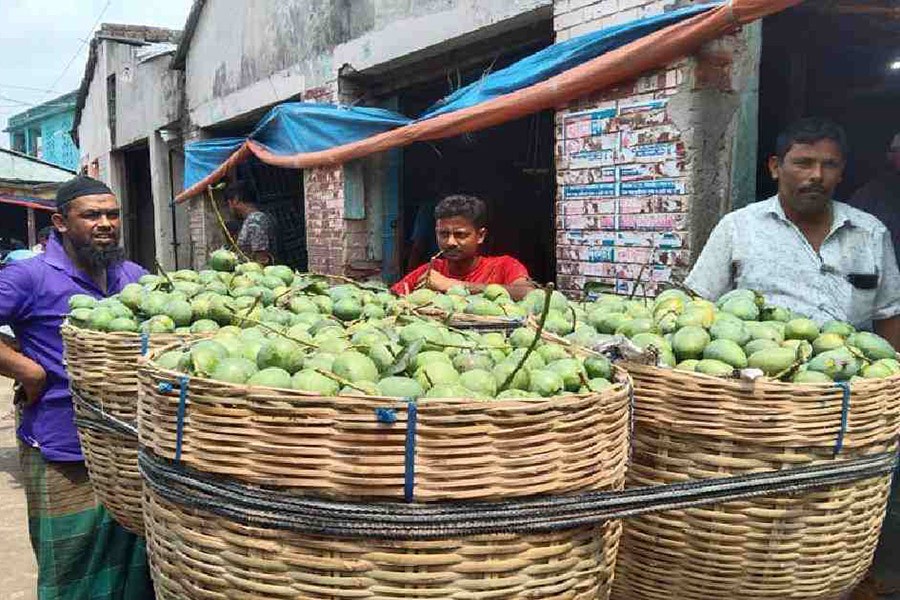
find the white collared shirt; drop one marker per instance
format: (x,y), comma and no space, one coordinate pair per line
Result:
(759,248)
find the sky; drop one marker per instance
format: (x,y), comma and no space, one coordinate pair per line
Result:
(44,44)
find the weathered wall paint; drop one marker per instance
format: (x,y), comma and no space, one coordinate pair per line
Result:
(256,53)
(148,96)
(645,170)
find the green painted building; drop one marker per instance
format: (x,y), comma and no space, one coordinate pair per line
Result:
(43,132)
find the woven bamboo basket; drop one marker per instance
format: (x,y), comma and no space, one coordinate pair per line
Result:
(335,447)
(196,555)
(811,545)
(102,368)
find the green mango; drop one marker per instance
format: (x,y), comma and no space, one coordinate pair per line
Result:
(741,307)
(309,380)
(687,365)
(272,377)
(808,376)
(726,351)
(570,370)
(840,328)
(756,345)
(838,364)
(826,342)
(355,366)
(515,393)
(801,329)
(546,383)
(727,329)
(479,381)
(436,373)
(773,361)
(689,342)
(233,370)
(401,387)
(873,346)
(714,367)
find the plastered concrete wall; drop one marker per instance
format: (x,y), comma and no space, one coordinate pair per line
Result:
(147,93)
(246,54)
(93,131)
(645,170)
(148,96)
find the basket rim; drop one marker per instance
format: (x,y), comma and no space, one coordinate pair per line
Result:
(766,381)
(624,384)
(124,335)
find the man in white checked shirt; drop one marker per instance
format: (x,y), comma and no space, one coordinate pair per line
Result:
(802,249)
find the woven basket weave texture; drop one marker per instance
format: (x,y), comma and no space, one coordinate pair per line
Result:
(102,367)
(811,545)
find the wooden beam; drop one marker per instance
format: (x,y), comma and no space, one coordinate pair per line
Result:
(32,228)
(888,12)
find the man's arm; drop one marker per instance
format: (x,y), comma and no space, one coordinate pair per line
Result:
(889,329)
(712,273)
(886,317)
(15,301)
(518,289)
(24,370)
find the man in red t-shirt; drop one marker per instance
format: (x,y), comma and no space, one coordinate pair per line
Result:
(461,227)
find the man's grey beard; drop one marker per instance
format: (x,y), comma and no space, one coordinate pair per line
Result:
(96,259)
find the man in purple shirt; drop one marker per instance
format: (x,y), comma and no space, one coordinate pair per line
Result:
(81,552)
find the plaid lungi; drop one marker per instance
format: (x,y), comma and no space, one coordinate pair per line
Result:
(82,553)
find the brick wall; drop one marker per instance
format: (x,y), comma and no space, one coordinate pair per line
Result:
(644,170)
(325,234)
(336,245)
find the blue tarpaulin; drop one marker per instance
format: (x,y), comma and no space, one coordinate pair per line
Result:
(295,128)
(557,58)
(202,158)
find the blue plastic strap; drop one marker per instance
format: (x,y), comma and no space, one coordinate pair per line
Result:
(388,416)
(845,416)
(182,404)
(145,343)
(164,387)
(630,420)
(409,479)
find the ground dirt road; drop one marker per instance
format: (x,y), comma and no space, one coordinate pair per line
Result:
(18,574)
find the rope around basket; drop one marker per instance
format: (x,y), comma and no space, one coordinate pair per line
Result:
(101,420)
(276,509)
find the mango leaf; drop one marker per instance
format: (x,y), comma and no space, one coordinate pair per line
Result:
(406,357)
(595,288)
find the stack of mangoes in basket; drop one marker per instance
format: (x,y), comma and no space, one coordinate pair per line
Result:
(271,326)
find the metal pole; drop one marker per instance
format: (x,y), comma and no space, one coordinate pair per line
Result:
(32,228)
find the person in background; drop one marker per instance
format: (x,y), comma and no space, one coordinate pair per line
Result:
(42,237)
(81,552)
(881,196)
(802,249)
(461,228)
(422,243)
(257,235)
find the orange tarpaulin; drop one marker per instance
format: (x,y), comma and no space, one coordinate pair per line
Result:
(622,64)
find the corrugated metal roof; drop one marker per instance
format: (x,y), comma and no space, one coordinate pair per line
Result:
(28,202)
(15,166)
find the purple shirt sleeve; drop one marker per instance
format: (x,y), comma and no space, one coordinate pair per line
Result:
(15,293)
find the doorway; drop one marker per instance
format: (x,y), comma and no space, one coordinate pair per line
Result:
(140,240)
(510,166)
(832,58)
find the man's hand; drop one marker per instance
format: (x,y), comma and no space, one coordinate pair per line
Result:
(440,283)
(29,374)
(33,383)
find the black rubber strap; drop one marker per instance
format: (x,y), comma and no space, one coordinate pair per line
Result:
(396,520)
(100,420)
